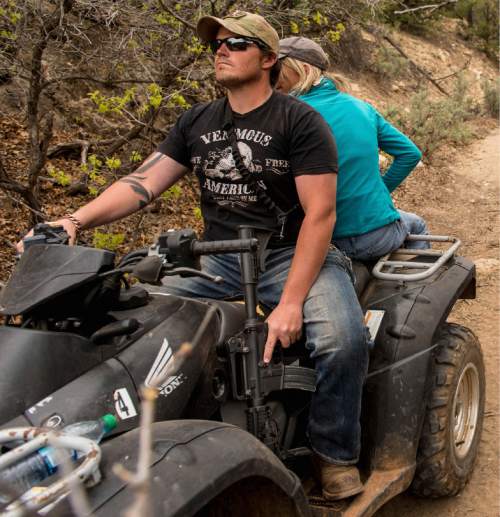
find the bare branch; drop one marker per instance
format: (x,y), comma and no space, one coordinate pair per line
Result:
(431,7)
(7,184)
(380,33)
(464,67)
(415,66)
(176,16)
(39,157)
(37,213)
(105,82)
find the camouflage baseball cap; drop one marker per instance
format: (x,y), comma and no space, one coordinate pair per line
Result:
(241,23)
(304,49)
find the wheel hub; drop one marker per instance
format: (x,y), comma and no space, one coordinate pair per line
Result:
(465,410)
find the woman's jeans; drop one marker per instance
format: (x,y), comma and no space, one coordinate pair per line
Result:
(377,243)
(335,336)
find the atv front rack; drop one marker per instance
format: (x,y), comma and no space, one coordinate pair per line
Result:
(429,267)
(35,437)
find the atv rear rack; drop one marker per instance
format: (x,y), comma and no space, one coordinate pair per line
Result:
(429,267)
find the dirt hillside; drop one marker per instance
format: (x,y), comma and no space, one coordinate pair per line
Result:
(468,207)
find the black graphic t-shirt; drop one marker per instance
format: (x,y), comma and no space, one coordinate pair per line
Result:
(279,140)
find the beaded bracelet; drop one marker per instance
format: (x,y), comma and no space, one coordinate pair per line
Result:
(76,223)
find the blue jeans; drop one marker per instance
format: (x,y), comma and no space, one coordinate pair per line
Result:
(334,332)
(377,243)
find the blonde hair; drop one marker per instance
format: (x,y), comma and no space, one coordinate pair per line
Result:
(309,76)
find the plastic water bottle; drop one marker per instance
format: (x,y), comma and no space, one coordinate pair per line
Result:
(44,462)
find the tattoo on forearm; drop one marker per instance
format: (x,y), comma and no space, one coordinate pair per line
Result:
(145,195)
(135,181)
(146,166)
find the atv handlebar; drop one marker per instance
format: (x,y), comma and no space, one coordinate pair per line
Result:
(44,233)
(219,247)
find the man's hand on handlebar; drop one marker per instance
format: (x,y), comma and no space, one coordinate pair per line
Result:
(68,226)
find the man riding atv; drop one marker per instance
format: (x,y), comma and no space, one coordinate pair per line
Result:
(290,189)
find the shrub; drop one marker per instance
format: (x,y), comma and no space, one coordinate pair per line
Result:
(387,63)
(429,124)
(60,177)
(491,91)
(172,193)
(481,17)
(108,241)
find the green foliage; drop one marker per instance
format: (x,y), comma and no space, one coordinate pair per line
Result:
(388,63)
(481,17)
(197,213)
(95,162)
(9,20)
(151,97)
(177,100)
(319,18)
(491,92)
(168,20)
(113,163)
(135,156)
(95,176)
(315,19)
(59,175)
(335,35)
(113,104)
(108,241)
(172,193)
(194,46)
(429,124)
(154,95)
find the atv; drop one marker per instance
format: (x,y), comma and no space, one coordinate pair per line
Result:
(229,439)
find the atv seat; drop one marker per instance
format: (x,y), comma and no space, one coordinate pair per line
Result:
(232,312)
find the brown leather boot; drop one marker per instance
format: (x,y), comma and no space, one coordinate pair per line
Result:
(337,481)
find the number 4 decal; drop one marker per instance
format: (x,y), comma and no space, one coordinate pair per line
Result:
(123,404)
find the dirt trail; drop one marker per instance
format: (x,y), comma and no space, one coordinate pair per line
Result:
(469,208)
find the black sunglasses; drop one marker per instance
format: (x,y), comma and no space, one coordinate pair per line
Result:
(237,43)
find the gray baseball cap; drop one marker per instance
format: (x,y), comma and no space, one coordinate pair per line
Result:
(304,49)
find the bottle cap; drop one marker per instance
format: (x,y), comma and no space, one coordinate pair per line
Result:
(110,422)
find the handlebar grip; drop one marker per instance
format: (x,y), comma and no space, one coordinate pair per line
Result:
(214,247)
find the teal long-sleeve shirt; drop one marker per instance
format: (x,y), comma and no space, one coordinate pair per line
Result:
(363,196)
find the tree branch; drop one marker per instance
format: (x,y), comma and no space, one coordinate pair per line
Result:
(454,73)
(132,134)
(7,184)
(415,66)
(176,16)
(38,161)
(380,33)
(431,7)
(105,82)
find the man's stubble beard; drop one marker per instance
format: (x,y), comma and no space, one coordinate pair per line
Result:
(232,81)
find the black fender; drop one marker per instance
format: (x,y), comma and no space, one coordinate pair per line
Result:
(193,461)
(34,363)
(397,383)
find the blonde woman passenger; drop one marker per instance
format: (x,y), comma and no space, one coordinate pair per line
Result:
(368,225)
